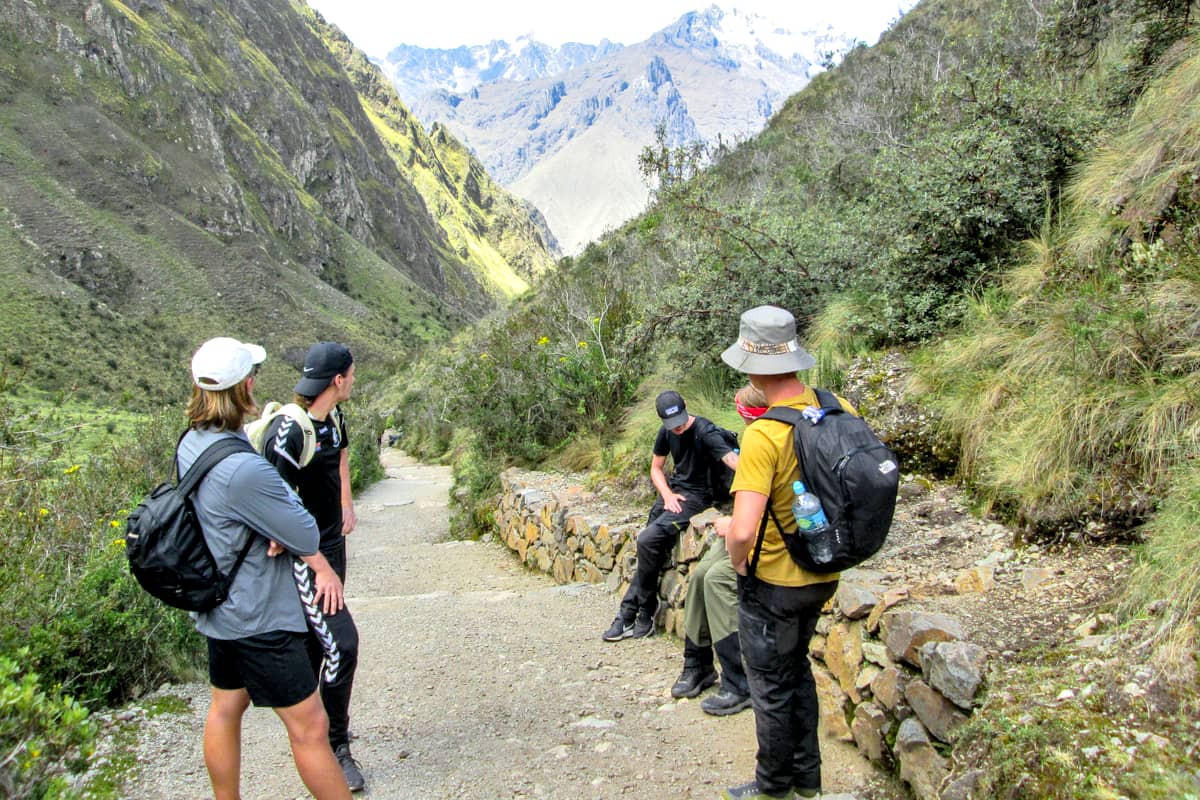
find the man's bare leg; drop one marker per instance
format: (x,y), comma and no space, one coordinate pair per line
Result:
(223,741)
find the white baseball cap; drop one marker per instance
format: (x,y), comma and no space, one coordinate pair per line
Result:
(223,362)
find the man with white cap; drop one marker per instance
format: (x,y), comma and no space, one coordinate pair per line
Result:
(257,638)
(323,484)
(693,443)
(779,603)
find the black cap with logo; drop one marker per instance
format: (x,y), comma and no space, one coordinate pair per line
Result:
(323,361)
(671,409)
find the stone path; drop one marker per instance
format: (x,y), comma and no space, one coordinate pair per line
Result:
(479,679)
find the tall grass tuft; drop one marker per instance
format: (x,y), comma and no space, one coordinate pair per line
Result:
(1165,583)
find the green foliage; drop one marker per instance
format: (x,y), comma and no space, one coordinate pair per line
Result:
(89,628)
(1030,745)
(45,737)
(1073,387)
(523,382)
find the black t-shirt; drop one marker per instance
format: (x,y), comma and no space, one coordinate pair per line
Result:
(319,483)
(693,452)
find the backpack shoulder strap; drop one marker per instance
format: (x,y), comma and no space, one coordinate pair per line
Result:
(786,414)
(828,401)
(212,455)
(300,417)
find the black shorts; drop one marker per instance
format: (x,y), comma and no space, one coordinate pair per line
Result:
(273,668)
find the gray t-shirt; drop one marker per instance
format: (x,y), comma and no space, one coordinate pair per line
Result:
(239,496)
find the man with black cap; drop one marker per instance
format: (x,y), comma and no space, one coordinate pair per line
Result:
(693,444)
(779,602)
(324,488)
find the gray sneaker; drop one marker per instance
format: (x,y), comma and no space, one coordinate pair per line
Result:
(620,629)
(350,768)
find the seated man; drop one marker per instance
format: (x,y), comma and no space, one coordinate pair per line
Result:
(693,444)
(710,613)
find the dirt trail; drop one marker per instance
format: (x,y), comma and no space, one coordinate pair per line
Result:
(480,679)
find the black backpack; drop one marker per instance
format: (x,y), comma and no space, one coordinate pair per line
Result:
(165,546)
(720,476)
(854,474)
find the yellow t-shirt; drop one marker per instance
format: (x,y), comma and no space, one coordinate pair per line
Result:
(767,465)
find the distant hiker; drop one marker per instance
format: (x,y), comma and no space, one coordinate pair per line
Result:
(778,602)
(710,613)
(257,638)
(694,444)
(323,484)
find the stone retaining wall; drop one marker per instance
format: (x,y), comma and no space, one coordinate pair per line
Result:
(892,681)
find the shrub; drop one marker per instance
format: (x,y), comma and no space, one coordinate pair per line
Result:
(87,626)
(44,736)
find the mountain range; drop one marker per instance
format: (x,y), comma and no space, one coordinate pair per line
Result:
(563,127)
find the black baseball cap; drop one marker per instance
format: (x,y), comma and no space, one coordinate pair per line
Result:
(323,361)
(671,409)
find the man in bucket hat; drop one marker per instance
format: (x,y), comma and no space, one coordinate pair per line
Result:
(779,603)
(324,487)
(693,444)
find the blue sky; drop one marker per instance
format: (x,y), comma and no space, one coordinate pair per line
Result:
(376,26)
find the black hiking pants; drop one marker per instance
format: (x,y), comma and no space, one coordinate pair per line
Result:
(775,625)
(337,681)
(654,545)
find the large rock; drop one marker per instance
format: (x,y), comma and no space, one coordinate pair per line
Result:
(870,729)
(956,669)
(938,714)
(921,766)
(888,687)
(905,631)
(832,702)
(855,600)
(843,656)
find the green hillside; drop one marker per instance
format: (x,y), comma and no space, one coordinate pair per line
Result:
(171,171)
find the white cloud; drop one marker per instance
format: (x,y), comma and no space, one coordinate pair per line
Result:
(376,26)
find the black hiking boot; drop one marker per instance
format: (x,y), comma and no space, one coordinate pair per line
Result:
(724,703)
(693,680)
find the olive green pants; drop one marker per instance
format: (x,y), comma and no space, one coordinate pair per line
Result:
(710,611)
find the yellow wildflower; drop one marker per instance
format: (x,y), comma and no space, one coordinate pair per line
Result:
(43,511)
(583,344)
(71,470)
(115,524)
(118,543)
(542,342)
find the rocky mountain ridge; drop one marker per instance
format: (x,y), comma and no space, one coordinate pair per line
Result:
(563,127)
(174,170)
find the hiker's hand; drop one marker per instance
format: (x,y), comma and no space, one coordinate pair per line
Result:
(329,591)
(349,520)
(672,502)
(721,525)
(741,569)
(274,548)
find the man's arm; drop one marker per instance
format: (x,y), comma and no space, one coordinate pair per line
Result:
(730,460)
(328,584)
(741,530)
(671,500)
(349,520)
